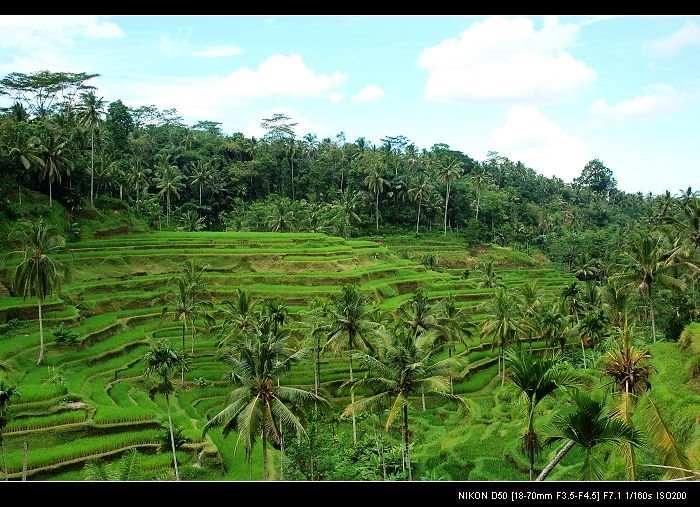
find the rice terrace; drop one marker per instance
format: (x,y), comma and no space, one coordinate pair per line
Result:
(181,303)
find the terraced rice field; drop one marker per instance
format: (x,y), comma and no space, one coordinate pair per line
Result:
(91,400)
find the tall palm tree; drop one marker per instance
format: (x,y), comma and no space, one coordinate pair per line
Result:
(501,323)
(53,151)
(37,273)
(588,426)
(645,261)
(201,175)
(452,323)
(571,299)
(405,367)
(161,361)
(168,180)
(6,394)
(449,171)
(240,315)
(139,175)
(258,405)
(27,156)
(629,371)
(535,378)
(419,190)
(344,212)
(375,183)
(91,110)
(351,319)
(489,278)
(479,179)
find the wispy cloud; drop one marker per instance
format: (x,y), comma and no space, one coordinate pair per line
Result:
(218,52)
(369,93)
(658,98)
(686,36)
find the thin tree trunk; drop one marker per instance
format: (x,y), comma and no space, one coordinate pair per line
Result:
(557,458)
(92,165)
(405,436)
(291,164)
(50,194)
(376,209)
(352,402)
(194,329)
(19,191)
(172,438)
(447,200)
(264,454)
(478,198)
(651,310)
(422,395)
(317,367)
(200,194)
(182,372)
(503,370)
(418,221)
(167,218)
(41,337)
(25,449)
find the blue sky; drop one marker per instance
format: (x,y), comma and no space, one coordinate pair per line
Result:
(553,92)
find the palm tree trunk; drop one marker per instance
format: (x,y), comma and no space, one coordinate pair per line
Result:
(19,192)
(478,198)
(651,310)
(182,373)
(530,441)
(352,401)
(418,221)
(264,453)
(41,337)
(193,333)
(557,458)
(422,395)
(167,218)
(583,352)
(376,209)
(447,199)
(172,438)
(25,450)
(406,442)
(200,194)
(92,165)
(50,194)
(291,164)
(317,367)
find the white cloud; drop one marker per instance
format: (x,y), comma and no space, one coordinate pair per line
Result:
(501,59)
(335,97)
(687,35)
(369,93)
(219,98)
(218,52)
(173,46)
(540,143)
(658,98)
(30,33)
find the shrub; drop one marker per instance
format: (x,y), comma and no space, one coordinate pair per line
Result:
(65,336)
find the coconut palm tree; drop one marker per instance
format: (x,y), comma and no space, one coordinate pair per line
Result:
(452,324)
(629,371)
(403,368)
(449,172)
(53,151)
(351,319)
(189,221)
(128,468)
(7,392)
(258,405)
(27,156)
(344,212)
(201,175)
(479,179)
(139,177)
(375,183)
(240,315)
(535,378)
(91,110)
(161,361)
(489,278)
(501,323)
(168,180)
(588,426)
(571,300)
(419,190)
(37,273)
(647,260)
